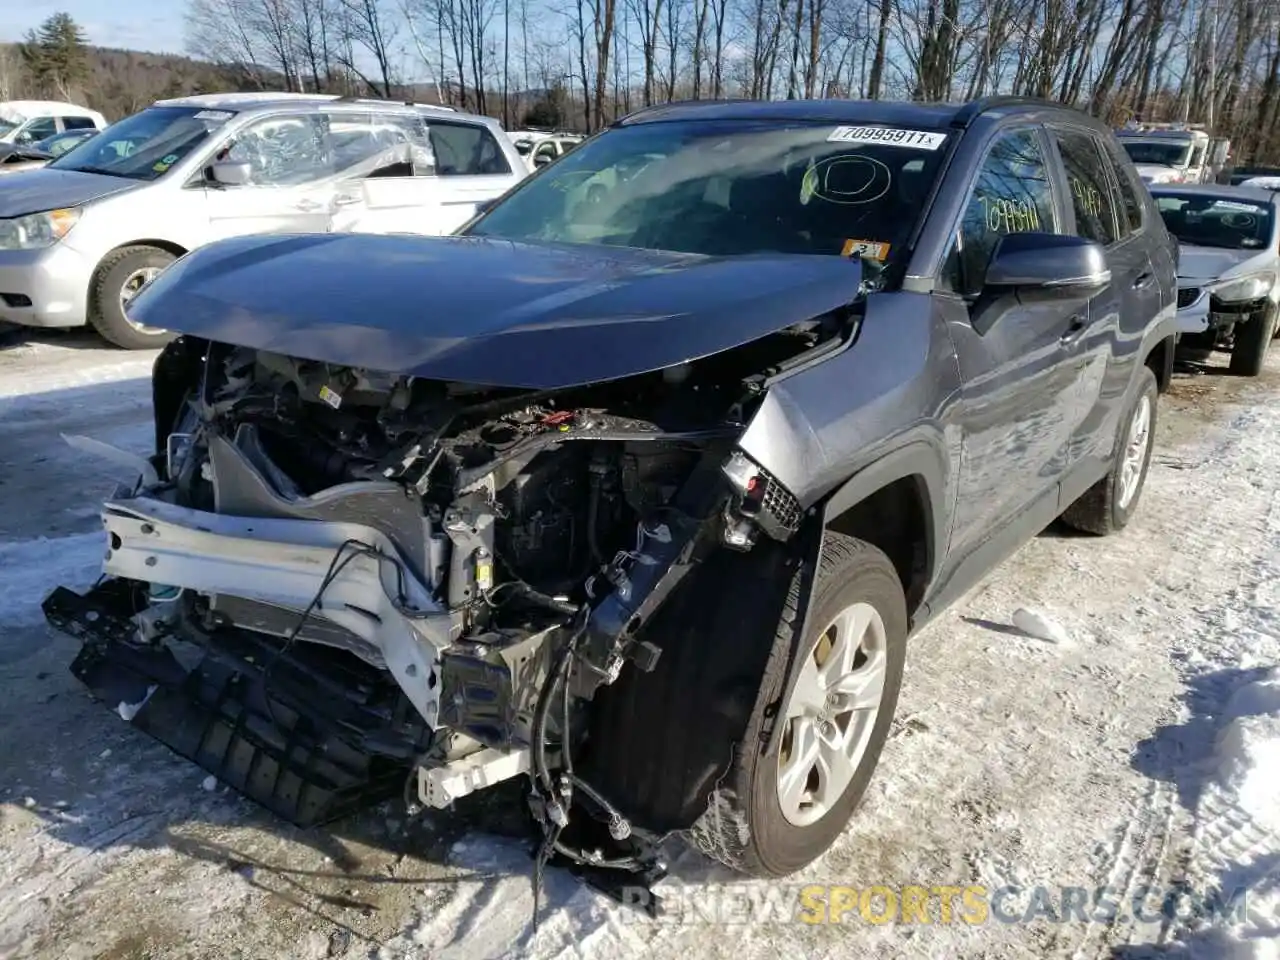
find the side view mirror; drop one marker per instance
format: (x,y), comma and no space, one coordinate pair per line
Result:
(542,160)
(1048,266)
(232,173)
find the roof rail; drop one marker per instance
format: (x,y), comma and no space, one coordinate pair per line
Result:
(679,103)
(975,108)
(352,98)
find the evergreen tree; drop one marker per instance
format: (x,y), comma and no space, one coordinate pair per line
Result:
(57,56)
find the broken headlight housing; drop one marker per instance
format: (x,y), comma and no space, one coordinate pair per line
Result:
(1243,289)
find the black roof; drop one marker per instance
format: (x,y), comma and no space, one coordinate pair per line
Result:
(889,112)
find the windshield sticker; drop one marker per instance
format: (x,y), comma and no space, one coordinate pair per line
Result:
(218,115)
(164,163)
(866,249)
(1233,205)
(914,139)
(848,179)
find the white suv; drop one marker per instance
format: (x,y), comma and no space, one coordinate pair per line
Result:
(24,122)
(80,236)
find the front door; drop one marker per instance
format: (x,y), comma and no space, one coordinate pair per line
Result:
(1020,376)
(291,187)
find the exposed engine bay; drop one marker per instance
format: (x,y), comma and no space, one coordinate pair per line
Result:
(330,584)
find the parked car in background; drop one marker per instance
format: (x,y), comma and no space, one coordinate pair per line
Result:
(14,158)
(1262,181)
(540,147)
(1228,268)
(1170,153)
(80,236)
(1251,176)
(24,122)
(641,496)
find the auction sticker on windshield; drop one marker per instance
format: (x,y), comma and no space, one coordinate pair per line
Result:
(915,139)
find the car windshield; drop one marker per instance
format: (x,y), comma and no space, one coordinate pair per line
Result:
(6,126)
(145,145)
(1216,221)
(728,188)
(1153,151)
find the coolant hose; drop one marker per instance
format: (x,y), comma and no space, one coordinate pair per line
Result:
(559,671)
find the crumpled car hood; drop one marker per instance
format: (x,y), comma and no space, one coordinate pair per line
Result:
(1202,264)
(486,311)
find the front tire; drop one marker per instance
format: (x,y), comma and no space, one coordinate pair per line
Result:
(786,799)
(1252,338)
(119,277)
(1110,503)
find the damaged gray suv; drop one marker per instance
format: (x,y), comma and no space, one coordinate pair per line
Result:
(632,493)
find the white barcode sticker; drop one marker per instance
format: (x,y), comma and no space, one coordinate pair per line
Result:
(218,115)
(889,136)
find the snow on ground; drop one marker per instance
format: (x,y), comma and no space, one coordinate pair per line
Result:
(1022,771)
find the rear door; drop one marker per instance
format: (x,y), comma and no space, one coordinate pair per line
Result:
(387,172)
(1019,371)
(1117,317)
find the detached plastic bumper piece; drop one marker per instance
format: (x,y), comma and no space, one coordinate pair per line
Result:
(308,766)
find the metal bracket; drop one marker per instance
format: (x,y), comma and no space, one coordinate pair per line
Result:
(285,562)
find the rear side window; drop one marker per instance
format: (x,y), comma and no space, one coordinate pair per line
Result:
(1012,195)
(378,145)
(78,123)
(466,150)
(1092,197)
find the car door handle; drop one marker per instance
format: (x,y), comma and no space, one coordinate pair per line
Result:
(346,200)
(1144,280)
(307,206)
(1075,330)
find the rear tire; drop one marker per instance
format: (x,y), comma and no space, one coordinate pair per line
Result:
(1110,503)
(116,274)
(1252,338)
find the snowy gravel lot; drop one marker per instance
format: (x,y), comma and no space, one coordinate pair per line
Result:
(1140,749)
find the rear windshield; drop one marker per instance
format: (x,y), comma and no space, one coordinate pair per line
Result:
(1153,151)
(145,145)
(1216,221)
(729,188)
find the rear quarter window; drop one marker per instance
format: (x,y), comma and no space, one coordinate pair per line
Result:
(1131,211)
(466,150)
(1093,198)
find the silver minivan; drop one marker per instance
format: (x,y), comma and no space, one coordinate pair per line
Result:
(80,236)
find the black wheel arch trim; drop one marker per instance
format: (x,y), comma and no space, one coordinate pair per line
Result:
(915,458)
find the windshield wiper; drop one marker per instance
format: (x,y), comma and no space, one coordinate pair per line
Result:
(102,170)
